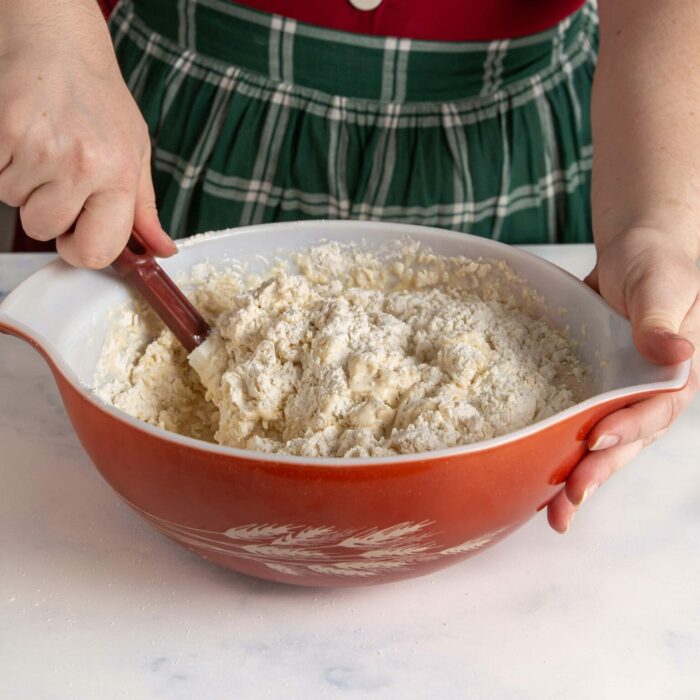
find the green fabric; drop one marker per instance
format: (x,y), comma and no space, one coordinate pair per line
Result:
(257,118)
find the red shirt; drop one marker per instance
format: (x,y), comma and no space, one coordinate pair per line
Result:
(433,20)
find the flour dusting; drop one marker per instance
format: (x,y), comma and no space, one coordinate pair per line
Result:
(351,354)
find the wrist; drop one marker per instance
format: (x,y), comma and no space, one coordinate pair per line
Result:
(61,26)
(651,231)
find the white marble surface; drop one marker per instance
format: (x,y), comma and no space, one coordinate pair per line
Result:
(96,605)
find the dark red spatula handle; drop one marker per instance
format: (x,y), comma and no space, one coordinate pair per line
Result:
(139,268)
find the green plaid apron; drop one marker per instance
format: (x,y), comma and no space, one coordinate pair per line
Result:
(259,118)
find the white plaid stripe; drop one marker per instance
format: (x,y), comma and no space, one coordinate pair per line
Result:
(377,169)
(389,164)
(401,78)
(268,150)
(176,76)
(551,152)
(172,163)
(287,61)
(122,25)
(493,66)
(451,125)
(389,69)
(457,142)
(395,69)
(281,49)
(138,75)
(261,159)
(590,11)
(488,69)
(498,65)
(505,196)
(186,16)
(560,57)
(202,152)
(320,204)
(337,159)
(280,126)
(273,48)
(587,48)
(382,164)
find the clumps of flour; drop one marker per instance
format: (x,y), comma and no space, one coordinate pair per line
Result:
(351,354)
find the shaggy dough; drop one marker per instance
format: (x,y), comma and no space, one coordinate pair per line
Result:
(353,354)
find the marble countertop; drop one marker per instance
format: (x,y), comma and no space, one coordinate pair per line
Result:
(95,604)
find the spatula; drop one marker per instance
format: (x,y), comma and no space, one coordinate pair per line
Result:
(137,265)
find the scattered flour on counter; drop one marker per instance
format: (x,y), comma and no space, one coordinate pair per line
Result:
(352,354)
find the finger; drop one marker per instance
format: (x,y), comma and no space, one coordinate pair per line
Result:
(101,231)
(691,325)
(560,513)
(51,210)
(146,222)
(653,438)
(662,346)
(5,158)
(597,467)
(591,280)
(640,420)
(657,306)
(17,182)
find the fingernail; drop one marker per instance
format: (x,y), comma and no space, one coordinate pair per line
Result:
(665,331)
(604,442)
(588,493)
(173,246)
(668,333)
(568,525)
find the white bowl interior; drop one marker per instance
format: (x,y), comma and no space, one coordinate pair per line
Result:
(68,310)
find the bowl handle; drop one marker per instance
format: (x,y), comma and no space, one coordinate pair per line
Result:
(9,326)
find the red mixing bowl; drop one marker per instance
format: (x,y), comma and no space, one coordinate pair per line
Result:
(328,521)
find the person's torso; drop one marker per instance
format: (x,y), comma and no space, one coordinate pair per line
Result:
(444,20)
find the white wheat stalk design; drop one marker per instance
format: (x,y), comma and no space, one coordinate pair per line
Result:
(475,543)
(376,537)
(283,568)
(309,535)
(267,550)
(288,548)
(357,568)
(394,552)
(257,532)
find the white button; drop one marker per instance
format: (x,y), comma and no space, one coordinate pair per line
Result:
(366,4)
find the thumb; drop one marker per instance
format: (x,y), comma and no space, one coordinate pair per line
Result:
(657,306)
(146,222)
(591,279)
